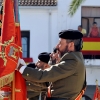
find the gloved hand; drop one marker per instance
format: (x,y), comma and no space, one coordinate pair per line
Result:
(20,61)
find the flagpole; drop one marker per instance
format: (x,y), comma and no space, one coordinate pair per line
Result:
(97,84)
(13,87)
(13,83)
(20,85)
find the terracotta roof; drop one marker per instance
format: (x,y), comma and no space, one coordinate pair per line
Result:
(36,2)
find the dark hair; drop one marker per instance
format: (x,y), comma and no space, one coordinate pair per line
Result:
(94,22)
(78,44)
(80,26)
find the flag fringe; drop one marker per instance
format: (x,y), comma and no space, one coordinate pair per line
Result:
(6,79)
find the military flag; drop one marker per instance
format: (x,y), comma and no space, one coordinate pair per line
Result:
(9,52)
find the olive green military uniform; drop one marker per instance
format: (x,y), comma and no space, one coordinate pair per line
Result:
(67,77)
(34,89)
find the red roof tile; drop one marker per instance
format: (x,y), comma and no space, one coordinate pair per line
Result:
(36,2)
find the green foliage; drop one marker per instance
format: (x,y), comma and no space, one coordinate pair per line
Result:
(74,6)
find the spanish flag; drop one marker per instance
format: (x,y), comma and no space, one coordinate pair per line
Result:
(91,46)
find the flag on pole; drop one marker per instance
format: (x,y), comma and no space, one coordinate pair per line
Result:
(9,52)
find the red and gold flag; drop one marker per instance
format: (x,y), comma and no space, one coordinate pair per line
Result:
(9,52)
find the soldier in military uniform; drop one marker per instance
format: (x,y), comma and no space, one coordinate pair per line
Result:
(34,88)
(68,76)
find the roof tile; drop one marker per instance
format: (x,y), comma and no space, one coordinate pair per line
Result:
(36,2)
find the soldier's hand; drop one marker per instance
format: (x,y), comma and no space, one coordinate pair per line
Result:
(20,62)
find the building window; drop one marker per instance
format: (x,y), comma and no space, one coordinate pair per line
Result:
(25,36)
(90,15)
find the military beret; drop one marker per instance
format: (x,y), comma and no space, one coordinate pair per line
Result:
(44,57)
(70,34)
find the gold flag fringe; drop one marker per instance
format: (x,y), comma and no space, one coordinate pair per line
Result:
(6,79)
